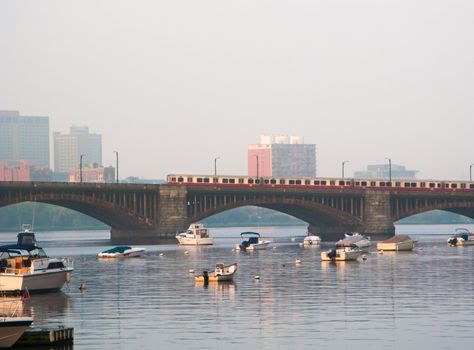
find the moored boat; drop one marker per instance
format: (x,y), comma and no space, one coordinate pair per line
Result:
(25,266)
(196,234)
(122,251)
(12,326)
(362,242)
(253,242)
(221,273)
(341,252)
(311,240)
(397,243)
(461,237)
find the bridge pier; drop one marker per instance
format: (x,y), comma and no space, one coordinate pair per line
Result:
(141,236)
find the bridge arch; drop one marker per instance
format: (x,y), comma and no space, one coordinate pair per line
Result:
(461,208)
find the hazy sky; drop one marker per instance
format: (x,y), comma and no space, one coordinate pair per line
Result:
(173,84)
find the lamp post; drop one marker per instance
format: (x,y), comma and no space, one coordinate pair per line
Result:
(215,166)
(344,163)
(470,172)
(256,155)
(116,166)
(389,169)
(80,167)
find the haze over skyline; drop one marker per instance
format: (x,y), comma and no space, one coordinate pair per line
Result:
(172,85)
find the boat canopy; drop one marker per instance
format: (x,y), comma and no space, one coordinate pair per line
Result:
(119,249)
(397,239)
(249,233)
(21,250)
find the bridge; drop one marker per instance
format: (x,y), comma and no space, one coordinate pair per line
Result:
(155,212)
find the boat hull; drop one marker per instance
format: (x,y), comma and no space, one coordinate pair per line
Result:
(341,255)
(40,281)
(11,329)
(399,246)
(311,241)
(195,241)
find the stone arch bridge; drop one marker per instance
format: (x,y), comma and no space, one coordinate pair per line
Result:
(154,212)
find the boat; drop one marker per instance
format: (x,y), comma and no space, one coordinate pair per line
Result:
(122,251)
(25,266)
(12,326)
(397,243)
(342,252)
(461,237)
(253,242)
(196,234)
(221,273)
(359,240)
(311,240)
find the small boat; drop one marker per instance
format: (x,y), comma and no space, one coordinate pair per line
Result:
(311,240)
(397,243)
(12,326)
(25,266)
(122,251)
(342,252)
(195,235)
(221,273)
(461,237)
(253,242)
(356,238)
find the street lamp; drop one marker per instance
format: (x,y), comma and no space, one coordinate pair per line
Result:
(116,165)
(215,166)
(344,163)
(80,167)
(470,172)
(256,155)
(389,169)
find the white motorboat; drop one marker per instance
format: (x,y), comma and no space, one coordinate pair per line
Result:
(122,251)
(25,266)
(221,273)
(252,241)
(397,243)
(12,326)
(311,240)
(356,238)
(461,237)
(341,252)
(195,235)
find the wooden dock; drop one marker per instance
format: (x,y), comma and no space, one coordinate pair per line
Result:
(35,338)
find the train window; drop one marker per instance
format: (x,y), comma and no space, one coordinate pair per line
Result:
(422,184)
(180,179)
(463,185)
(316,182)
(342,183)
(206,179)
(389,184)
(307,182)
(273,181)
(397,184)
(199,179)
(413,184)
(363,183)
(373,183)
(406,184)
(324,182)
(190,179)
(438,185)
(266,181)
(332,183)
(291,182)
(382,183)
(454,185)
(250,181)
(232,181)
(173,179)
(471,186)
(225,181)
(298,182)
(357,183)
(257,181)
(241,181)
(215,180)
(282,181)
(432,185)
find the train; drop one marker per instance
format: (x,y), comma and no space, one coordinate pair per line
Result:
(323,182)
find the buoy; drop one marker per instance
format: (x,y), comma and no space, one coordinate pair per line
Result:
(257,277)
(186,252)
(292,239)
(380,251)
(300,244)
(82,287)
(161,254)
(274,247)
(364,257)
(297,261)
(191,271)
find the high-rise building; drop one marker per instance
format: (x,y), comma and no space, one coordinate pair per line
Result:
(24,138)
(384,171)
(68,149)
(282,155)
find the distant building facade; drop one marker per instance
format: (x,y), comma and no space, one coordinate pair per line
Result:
(24,138)
(382,171)
(98,174)
(282,156)
(15,170)
(68,149)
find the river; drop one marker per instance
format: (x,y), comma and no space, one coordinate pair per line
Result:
(417,300)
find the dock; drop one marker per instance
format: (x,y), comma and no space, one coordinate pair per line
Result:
(36,338)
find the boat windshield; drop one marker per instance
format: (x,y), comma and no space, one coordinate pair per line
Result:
(38,253)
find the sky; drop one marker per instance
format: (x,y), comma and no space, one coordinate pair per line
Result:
(171,85)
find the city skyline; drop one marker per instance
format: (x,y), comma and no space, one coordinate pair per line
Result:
(171,88)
